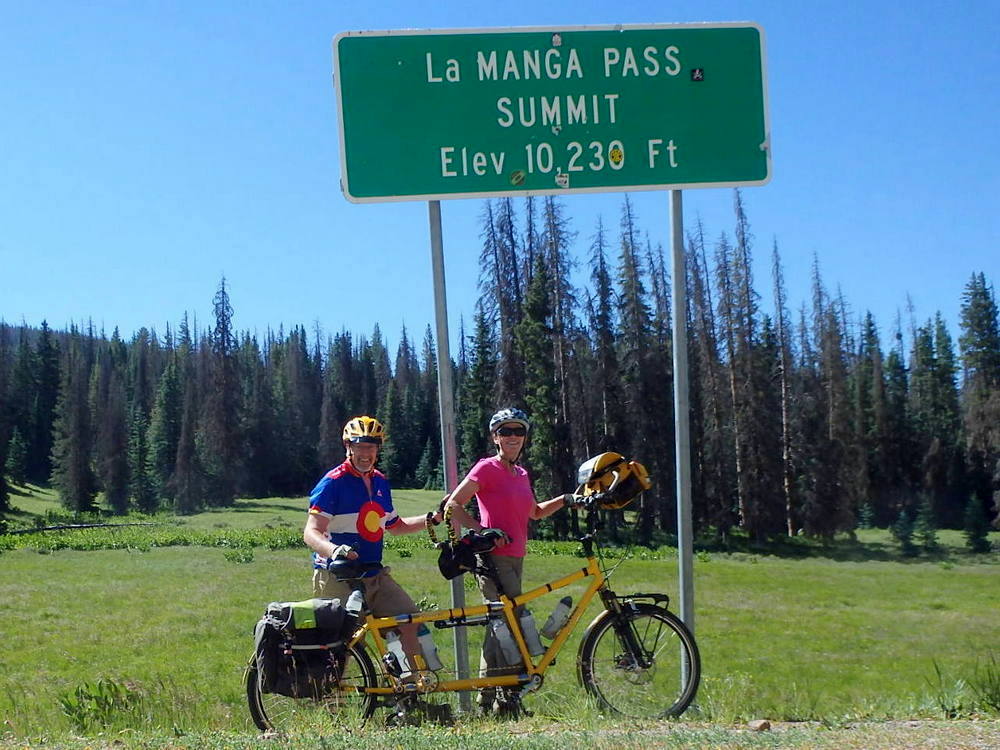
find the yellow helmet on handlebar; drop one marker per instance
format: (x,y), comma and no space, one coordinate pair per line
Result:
(614,479)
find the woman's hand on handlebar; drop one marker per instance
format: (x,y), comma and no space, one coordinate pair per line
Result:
(572,500)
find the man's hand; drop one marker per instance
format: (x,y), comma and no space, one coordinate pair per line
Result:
(573,501)
(342,552)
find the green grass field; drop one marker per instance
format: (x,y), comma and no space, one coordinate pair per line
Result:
(153,639)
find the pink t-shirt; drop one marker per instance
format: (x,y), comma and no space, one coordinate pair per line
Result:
(505,502)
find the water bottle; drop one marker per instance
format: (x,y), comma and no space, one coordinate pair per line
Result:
(530,633)
(511,653)
(558,618)
(428,648)
(396,654)
(354,603)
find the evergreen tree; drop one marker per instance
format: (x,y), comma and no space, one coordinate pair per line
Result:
(783,341)
(165,430)
(381,370)
(367,390)
(635,344)
(392,458)
(16,464)
(39,466)
(500,279)
(109,411)
(979,344)
(428,474)
(925,525)
(141,374)
(72,476)
(476,402)
(430,420)
(534,334)
(900,436)
(6,415)
(337,405)
(556,239)
(140,485)
(976,527)
(218,437)
(262,447)
(602,324)
(713,483)
(902,530)
(23,390)
(188,479)
(936,418)
(830,505)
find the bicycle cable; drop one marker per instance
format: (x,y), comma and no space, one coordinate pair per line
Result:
(627,552)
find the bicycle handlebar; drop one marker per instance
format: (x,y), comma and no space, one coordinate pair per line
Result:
(346,570)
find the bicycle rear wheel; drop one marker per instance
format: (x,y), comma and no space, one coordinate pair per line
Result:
(658,682)
(345,701)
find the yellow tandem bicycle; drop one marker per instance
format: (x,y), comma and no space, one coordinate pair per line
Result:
(636,658)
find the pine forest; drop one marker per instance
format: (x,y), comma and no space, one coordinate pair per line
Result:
(803,421)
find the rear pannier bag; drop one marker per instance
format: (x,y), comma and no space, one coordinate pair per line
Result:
(299,646)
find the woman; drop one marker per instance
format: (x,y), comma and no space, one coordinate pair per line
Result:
(506,502)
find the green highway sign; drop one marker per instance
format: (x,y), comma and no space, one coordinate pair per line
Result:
(427,115)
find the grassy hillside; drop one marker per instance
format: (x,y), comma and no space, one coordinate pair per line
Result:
(155,637)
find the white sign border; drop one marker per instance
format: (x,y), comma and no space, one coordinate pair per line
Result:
(765,146)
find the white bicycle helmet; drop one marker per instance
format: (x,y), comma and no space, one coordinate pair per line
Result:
(507,416)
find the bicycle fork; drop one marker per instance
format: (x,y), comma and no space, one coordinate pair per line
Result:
(623,611)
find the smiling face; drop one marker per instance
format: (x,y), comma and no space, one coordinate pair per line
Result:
(508,443)
(363,456)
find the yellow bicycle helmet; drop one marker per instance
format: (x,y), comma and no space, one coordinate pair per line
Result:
(364,430)
(614,479)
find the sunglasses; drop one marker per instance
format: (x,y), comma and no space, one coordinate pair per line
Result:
(515,431)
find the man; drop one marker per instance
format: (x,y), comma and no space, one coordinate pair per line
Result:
(349,511)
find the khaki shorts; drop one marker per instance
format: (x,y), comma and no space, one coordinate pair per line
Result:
(384,596)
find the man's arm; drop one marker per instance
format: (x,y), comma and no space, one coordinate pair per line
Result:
(408,525)
(316,538)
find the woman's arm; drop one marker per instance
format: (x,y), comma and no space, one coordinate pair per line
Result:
(546,509)
(457,501)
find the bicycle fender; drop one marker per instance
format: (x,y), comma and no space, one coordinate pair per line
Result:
(601,617)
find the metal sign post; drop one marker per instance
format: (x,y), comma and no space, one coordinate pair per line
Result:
(447,411)
(682,422)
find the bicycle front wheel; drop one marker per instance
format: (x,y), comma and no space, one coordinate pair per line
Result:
(344,700)
(659,681)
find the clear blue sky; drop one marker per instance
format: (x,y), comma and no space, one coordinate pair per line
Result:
(149,148)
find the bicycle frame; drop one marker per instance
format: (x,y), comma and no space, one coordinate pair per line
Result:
(531,671)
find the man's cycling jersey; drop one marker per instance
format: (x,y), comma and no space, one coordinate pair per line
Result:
(355,518)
